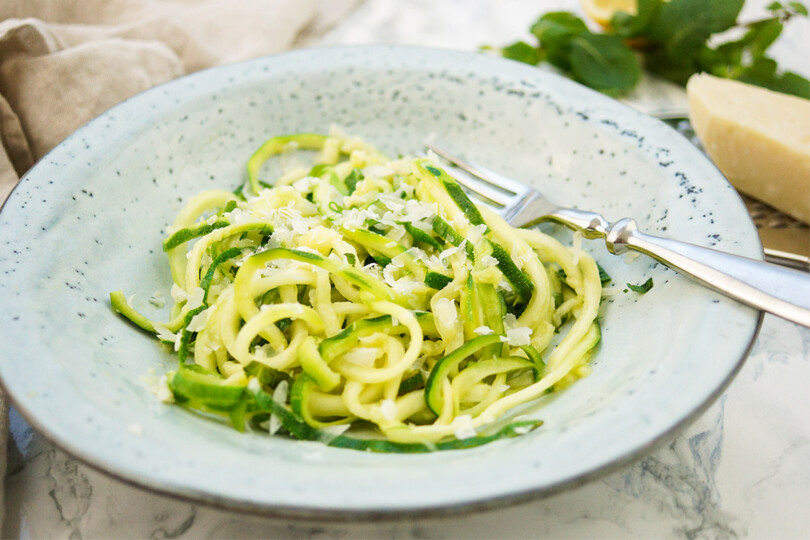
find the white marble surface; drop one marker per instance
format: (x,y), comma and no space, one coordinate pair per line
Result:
(741,470)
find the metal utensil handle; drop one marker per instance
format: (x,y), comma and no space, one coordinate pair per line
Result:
(775,289)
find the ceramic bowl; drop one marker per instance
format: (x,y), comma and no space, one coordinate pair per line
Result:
(89,217)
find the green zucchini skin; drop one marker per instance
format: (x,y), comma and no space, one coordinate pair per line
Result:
(120,305)
(366,282)
(442,369)
(520,282)
(453,190)
(299,429)
(437,281)
(184,235)
(274,146)
(200,389)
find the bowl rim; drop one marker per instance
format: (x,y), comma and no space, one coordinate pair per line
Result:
(81,454)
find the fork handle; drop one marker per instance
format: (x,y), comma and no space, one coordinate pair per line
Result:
(775,289)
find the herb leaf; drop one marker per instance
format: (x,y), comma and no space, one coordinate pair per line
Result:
(522,52)
(684,26)
(554,31)
(672,38)
(604,277)
(604,63)
(643,288)
(798,8)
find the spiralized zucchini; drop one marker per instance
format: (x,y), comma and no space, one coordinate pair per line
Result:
(367,293)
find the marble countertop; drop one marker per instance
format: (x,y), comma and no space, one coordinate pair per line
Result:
(740,470)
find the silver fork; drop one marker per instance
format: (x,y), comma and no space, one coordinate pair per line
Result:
(768,287)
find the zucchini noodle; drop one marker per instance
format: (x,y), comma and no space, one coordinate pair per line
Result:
(371,295)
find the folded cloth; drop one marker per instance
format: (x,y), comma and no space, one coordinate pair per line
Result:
(64,62)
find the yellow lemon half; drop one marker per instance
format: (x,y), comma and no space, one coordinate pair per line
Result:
(602,11)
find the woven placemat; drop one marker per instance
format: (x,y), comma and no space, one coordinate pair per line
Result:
(779,232)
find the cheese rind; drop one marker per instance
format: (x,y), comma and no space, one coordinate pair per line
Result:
(759,139)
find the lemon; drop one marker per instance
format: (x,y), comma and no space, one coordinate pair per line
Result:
(602,11)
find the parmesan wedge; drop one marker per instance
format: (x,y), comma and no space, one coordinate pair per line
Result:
(759,139)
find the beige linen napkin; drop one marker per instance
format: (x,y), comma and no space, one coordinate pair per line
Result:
(63,62)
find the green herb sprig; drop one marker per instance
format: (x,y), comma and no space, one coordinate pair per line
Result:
(672,39)
(642,288)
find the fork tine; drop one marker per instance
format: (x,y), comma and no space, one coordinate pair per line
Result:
(496,180)
(476,188)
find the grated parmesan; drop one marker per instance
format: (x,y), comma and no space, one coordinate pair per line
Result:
(279,396)
(199,321)
(388,408)
(164,334)
(163,392)
(195,299)
(444,310)
(463,427)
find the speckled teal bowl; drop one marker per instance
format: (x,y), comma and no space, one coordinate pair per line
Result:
(88,219)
